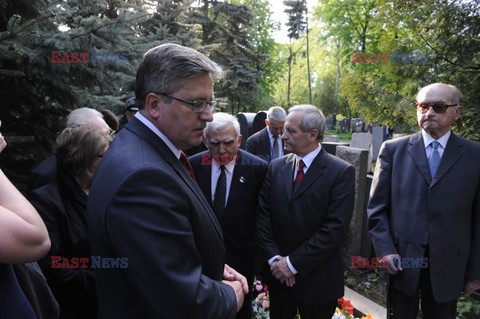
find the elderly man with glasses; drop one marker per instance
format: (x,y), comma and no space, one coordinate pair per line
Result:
(425,203)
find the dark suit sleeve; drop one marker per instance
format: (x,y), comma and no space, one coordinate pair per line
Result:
(251,146)
(264,228)
(379,205)
(328,238)
(78,280)
(473,267)
(151,222)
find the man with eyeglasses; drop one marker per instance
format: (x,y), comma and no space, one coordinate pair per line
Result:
(425,203)
(145,205)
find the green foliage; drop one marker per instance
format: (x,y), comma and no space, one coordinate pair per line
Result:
(297,23)
(467,307)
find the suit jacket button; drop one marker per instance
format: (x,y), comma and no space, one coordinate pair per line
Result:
(289,205)
(286,227)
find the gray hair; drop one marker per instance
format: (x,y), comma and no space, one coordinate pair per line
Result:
(164,66)
(276,113)
(220,121)
(313,118)
(82,116)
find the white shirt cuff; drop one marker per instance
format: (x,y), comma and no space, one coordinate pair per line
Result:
(271,260)
(290,266)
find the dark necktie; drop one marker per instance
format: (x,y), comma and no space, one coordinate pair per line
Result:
(300,173)
(187,165)
(220,193)
(434,159)
(275,146)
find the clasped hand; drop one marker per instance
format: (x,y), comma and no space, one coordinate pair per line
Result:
(280,270)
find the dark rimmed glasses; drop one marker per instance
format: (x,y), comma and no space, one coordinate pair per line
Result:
(437,107)
(197,106)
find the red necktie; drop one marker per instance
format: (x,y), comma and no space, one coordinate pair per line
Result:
(187,165)
(300,173)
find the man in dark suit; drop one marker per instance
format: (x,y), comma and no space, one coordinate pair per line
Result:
(236,205)
(145,206)
(425,203)
(305,207)
(267,143)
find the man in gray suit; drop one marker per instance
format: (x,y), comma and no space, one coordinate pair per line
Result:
(425,203)
(305,207)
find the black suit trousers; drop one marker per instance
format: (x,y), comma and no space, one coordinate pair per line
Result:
(406,307)
(284,306)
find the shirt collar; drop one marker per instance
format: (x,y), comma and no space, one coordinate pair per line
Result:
(270,135)
(428,139)
(155,130)
(229,167)
(308,159)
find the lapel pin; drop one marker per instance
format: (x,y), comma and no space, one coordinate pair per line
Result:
(242,180)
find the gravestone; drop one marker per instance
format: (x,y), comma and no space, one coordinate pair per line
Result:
(245,120)
(331,147)
(331,121)
(331,138)
(356,125)
(258,122)
(345,125)
(364,142)
(359,159)
(379,135)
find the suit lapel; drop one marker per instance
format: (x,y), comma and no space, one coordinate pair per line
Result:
(452,153)
(266,142)
(314,172)
(204,180)
(236,187)
(138,128)
(416,149)
(289,168)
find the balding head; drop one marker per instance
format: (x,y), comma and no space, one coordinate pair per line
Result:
(87,116)
(446,92)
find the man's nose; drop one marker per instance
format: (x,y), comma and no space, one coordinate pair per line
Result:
(430,112)
(206,114)
(221,148)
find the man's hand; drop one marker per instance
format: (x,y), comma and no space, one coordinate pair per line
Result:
(237,287)
(280,270)
(393,263)
(231,274)
(471,286)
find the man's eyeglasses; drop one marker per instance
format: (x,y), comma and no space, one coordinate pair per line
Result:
(437,107)
(197,106)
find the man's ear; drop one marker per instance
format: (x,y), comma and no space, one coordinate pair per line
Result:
(240,138)
(458,112)
(314,134)
(153,106)
(266,122)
